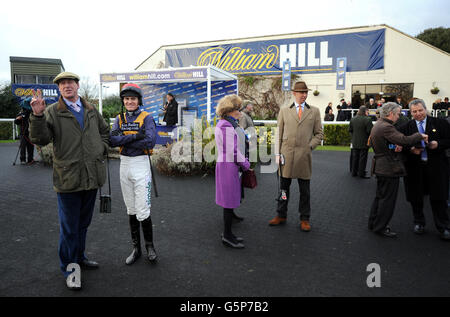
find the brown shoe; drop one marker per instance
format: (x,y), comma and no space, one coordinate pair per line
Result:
(305,226)
(277,221)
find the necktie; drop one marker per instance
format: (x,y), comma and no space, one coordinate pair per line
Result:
(299,112)
(76,107)
(423,155)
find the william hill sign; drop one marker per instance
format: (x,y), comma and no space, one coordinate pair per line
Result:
(364,51)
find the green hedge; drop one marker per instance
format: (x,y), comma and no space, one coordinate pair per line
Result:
(336,134)
(6,130)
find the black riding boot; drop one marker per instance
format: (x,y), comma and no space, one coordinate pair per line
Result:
(147,229)
(136,239)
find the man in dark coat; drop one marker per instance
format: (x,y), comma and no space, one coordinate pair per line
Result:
(360,127)
(387,166)
(26,147)
(427,168)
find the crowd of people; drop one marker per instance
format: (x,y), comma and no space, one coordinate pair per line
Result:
(81,139)
(347,110)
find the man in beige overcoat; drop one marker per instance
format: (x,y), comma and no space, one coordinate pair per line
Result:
(299,132)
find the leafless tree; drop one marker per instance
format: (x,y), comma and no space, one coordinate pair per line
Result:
(88,90)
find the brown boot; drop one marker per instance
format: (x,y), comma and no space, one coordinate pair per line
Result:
(305,226)
(277,221)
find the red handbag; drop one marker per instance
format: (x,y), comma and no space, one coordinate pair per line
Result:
(249,179)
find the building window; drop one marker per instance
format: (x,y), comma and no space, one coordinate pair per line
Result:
(45,80)
(25,79)
(362,93)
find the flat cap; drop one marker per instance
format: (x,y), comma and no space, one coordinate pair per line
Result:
(66,75)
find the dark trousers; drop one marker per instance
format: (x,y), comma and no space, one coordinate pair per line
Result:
(26,147)
(359,162)
(384,203)
(438,207)
(440,215)
(75,213)
(304,207)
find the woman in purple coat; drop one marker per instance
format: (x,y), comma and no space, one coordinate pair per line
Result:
(231,161)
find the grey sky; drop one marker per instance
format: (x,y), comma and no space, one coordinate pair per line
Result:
(91,37)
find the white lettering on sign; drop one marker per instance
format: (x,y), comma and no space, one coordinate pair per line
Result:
(197,74)
(49,93)
(296,54)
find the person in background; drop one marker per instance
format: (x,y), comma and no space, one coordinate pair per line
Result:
(246,121)
(360,127)
(134,132)
(400,102)
(388,167)
(80,139)
(26,147)
(342,114)
(231,162)
(299,133)
(170,110)
(329,116)
(371,104)
(445,104)
(329,107)
(427,168)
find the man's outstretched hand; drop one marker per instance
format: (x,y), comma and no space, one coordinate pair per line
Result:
(37,103)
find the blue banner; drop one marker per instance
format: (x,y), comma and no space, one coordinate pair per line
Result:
(49,92)
(364,51)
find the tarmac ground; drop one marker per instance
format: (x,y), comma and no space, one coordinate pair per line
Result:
(331,260)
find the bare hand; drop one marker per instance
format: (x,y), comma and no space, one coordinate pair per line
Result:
(433,145)
(37,103)
(398,148)
(19,118)
(425,137)
(416,151)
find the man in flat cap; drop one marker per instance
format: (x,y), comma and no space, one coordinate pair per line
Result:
(80,141)
(299,132)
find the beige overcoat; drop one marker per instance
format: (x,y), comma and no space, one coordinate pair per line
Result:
(297,138)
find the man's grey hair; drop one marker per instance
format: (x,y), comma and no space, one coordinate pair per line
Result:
(389,107)
(415,102)
(362,111)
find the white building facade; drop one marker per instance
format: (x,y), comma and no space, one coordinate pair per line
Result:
(380,62)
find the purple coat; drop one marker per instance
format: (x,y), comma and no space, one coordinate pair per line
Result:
(229,159)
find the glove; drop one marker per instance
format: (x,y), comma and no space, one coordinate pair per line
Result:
(116,132)
(140,136)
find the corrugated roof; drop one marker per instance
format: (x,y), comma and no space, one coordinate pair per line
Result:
(36,60)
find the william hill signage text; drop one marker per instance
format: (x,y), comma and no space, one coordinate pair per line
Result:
(364,51)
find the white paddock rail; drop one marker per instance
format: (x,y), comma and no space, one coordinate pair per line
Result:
(14,130)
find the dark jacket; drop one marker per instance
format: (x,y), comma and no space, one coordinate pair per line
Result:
(23,122)
(438,130)
(329,117)
(78,155)
(402,120)
(131,146)
(171,115)
(386,162)
(360,127)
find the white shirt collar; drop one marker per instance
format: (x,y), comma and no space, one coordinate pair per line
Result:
(296,104)
(77,105)
(424,122)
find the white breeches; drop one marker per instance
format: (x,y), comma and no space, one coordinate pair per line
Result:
(136,184)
